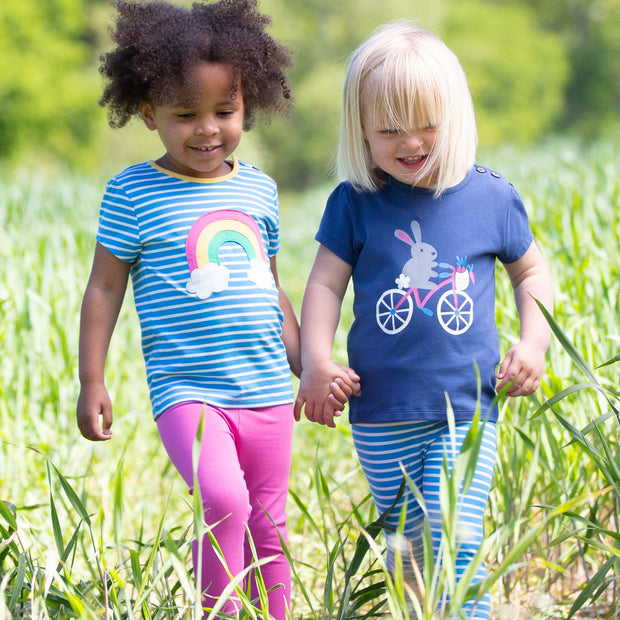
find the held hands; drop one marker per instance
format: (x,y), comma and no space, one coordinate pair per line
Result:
(93,402)
(521,369)
(324,391)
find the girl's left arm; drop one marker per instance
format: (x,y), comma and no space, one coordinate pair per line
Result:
(290,327)
(524,363)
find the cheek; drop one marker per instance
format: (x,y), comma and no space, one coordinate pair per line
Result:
(378,153)
(371,145)
(372,154)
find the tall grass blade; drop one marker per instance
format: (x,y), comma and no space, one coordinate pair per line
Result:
(567,345)
(18,584)
(293,564)
(613,360)
(371,531)
(8,512)
(60,545)
(258,576)
(591,586)
(556,398)
(577,358)
(67,488)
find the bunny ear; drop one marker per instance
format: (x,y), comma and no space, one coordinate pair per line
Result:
(416,230)
(403,236)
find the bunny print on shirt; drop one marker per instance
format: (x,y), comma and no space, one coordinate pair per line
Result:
(419,268)
(455,308)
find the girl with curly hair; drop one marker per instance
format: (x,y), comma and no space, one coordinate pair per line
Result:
(198,231)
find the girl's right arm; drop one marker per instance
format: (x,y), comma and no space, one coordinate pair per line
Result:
(320,314)
(102,302)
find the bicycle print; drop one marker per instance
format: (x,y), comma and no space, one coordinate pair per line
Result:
(455,308)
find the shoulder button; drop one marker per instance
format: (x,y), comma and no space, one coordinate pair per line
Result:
(480,169)
(495,174)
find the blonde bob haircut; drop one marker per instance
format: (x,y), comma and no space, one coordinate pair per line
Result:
(405,78)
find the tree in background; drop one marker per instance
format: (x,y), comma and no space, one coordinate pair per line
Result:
(535,67)
(48,85)
(516,68)
(517,71)
(590,31)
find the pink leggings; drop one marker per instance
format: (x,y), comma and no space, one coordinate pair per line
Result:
(243,474)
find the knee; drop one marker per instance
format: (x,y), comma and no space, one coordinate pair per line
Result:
(225,501)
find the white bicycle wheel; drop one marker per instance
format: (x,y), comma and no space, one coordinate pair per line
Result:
(455,311)
(391,319)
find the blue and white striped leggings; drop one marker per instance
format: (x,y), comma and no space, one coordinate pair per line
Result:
(420,448)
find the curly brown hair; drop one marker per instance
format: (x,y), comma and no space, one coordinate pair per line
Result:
(158,45)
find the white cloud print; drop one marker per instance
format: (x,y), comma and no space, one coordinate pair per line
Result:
(212,278)
(260,273)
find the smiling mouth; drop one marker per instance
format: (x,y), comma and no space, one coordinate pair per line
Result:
(413,160)
(205,149)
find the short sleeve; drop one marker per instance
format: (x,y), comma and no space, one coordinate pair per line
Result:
(518,234)
(118,229)
(336,230)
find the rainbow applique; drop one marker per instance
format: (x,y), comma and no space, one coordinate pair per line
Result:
(202,248)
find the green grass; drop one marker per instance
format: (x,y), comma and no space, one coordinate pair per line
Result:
(87,527)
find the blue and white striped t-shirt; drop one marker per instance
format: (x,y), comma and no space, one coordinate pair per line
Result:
(206,299)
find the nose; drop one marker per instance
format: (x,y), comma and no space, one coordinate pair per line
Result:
(206,126)
(414,139)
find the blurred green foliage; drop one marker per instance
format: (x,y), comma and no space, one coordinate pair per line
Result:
(516,71)
(534,68)
(48,80)
(590,33)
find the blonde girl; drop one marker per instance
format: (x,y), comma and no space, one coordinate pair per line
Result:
(418,227)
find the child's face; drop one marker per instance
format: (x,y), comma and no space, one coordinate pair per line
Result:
(200,138)
(402,154)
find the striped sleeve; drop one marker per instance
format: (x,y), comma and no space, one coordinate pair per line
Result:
(118,229)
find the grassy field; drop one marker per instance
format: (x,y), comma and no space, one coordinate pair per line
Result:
(103,530)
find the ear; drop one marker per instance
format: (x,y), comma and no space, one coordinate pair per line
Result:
(417,231)
(146,112)
(403,236)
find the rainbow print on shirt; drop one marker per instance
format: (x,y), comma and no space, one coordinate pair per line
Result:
(202,248)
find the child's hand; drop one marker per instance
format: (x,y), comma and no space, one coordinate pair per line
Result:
(324,390)
(522,369)
(340,390)
(93,402)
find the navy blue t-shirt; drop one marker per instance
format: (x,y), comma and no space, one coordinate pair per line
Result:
(424,291)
